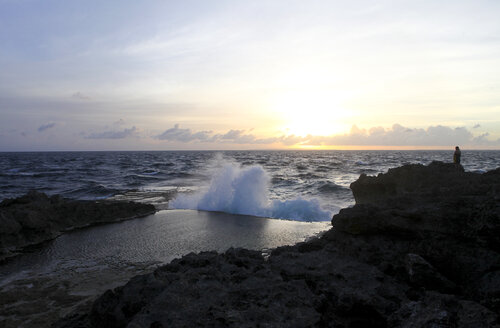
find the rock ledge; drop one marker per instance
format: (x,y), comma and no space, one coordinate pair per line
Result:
(35,218)
(419,249)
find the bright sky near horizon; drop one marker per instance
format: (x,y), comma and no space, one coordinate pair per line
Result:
(154,75)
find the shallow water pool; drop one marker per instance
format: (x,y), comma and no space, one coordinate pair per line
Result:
(50,281)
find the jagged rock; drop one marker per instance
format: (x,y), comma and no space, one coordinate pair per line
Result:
(441,310)
(35,218)
(422,274)
(438,198)
(416,179)
(419,249)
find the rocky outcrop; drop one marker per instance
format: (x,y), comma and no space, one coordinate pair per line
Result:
(35,218)
(439,198)
(422,252)
(415,180)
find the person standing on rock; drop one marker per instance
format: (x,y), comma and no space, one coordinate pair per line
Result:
(456,155)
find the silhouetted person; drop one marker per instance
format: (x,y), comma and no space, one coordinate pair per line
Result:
(456,155)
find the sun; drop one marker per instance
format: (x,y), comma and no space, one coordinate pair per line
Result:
(309,112)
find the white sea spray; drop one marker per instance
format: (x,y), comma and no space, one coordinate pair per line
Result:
(245,190)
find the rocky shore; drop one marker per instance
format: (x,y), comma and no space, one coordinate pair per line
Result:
(420,248)
(35,218)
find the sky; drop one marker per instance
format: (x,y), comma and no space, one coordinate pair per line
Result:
(170,75)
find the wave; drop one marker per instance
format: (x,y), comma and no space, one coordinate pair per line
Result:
(330,187)
(160,165)
(360,163)
(91,192)
(283,181)
(139,179)
(323,168)
(183,175)
(245,190)
(308,176)
(17,173)
(150,172)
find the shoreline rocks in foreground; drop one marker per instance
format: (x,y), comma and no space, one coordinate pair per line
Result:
(35,217)
(419,249)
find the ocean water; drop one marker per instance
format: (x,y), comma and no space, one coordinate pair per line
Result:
(208,201)
(53,279)
(296,185)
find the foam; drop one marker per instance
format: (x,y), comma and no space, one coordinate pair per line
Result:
(245,190)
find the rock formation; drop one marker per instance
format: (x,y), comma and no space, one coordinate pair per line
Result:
(35,218)
(419,249)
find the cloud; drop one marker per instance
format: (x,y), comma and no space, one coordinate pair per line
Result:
(232,136)
(114,134)
(476,126)
(481,140)
(397,135)
(238,137)
(120,122)
(46,126)
(80,96)
(291,140)
(241,138)
(185,135)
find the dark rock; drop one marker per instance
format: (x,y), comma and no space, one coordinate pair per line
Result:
(419,249)
(422,274)
(35,218)
(440,310)
(436,178)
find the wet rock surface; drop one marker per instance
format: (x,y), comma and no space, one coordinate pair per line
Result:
(422,252)
(35,218)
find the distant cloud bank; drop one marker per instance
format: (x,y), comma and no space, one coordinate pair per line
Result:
(119,134)
(185,135)
(397,135)
(114,134)
(232,136)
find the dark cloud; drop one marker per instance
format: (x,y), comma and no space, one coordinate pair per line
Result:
(185,135)
(232,136)
(46,127)
(80,96)
(238,137)
(241,137)
(114,134)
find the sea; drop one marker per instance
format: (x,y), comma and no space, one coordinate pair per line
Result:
(293,185)
(206,201)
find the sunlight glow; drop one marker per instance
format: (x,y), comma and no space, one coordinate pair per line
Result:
(310,112)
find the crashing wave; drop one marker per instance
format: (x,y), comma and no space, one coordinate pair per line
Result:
(245,190)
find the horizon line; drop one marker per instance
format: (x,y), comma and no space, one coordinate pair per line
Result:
(251,150)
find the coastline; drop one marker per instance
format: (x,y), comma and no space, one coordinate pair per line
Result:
(36,218)
(67,274)
(420,247)
(425,251)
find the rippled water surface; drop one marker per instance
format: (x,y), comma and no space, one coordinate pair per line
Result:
(53,279)
(152,176)
(159,238)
